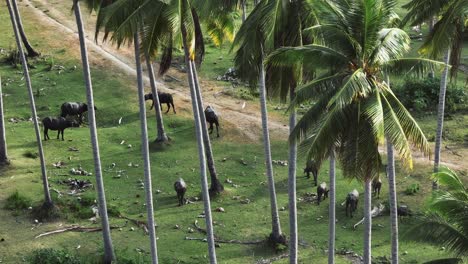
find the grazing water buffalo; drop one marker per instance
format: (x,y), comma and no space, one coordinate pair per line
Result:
(311,167)
(73,109)
(376,186)
(403,210)
(164,98)
(212,118)
(322,190)
(180,187)
(352,202)
(57,123)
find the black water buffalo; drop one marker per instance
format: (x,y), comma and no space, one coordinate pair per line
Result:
(164,98)
(352,202)
(74,109)
(322,190)
(212,118)
(57,123)
(180,187)
(403,210)
(311,167)
(376,186)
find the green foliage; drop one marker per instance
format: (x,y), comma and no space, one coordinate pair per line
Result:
(423,95)
(16,201)
(412,189)
(53,256)
(242,93)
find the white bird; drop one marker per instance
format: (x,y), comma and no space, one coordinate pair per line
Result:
(243,105)
(120,120)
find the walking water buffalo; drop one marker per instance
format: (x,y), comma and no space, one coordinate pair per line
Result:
(180,187)
(212,118)
(322,190)
(311,167)
(74,109)
(376,186)
(352,202)
(164,98)
(57,123)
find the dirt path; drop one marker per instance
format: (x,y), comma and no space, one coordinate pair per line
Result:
(246,119)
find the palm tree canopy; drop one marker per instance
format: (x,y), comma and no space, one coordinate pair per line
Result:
(446,221)
(447,32)
(352,49)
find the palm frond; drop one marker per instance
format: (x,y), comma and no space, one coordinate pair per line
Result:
(418,67)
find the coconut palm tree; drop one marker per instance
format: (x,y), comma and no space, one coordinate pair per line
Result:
(161,133)
(445,38)
(31,52)
(446,221)
(354,107)
(332,207)
(48,203)
(3,144)
(102,204)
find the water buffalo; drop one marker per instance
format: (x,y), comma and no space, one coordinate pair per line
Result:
(352,202)
(74,109)
(376,186)
(57,123)
(164,98)
(212,118)
(311,167)
(180,187)
(322,190)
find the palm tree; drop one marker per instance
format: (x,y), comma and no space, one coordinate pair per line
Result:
(31,52)
(216,186)
(48,203)
(108,248)
(161,136)
(446,222)
(445,38)
(331,214)
(145,150)
(274,23)
(354,108)
(3,144)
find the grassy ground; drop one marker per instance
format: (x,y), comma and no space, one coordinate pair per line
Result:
(115,99)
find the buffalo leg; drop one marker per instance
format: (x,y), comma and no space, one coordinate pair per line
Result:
(173,108)
(217,129)
(168,108)
(308,174)
(62,134)
(347,204)
(152,105)
(210,129)
(46,134)
(315,178)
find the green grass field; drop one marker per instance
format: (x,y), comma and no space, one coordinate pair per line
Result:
(115,99)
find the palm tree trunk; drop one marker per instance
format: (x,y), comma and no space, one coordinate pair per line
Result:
(392,201)
(45,183)
(440,116)
(367,221)
(108,248)
(201,152)
(276,235)
(31,52)
(293,235)
(216,186)
(244,10)
(331,212)
(145,151)
(3,144)
(161,137)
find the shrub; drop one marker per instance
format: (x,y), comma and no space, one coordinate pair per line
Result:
(53,256)
(412,189)
(422,95)
(16,201)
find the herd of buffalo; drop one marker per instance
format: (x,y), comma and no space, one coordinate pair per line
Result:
(77,109)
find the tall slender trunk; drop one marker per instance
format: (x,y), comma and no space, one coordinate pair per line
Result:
(108,248)
(276,235)
(145,151)
(45,183)
(3,144)
(31,52)
(293,235)
(244,10)
(201,151)
(161,137)
(392,201)
(216,186)
(367,221)
(331,212)
(440,116)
